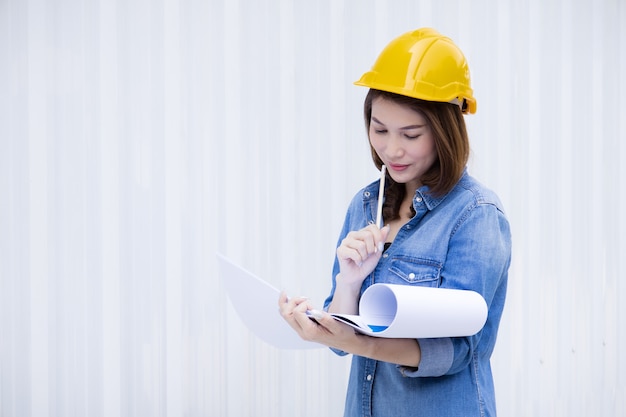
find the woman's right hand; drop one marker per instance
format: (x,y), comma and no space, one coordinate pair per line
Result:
(360,252)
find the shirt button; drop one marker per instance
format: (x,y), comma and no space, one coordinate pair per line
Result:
(367,194)
(385,255)
(411,275)
(369,377)
(418,199)
(408,227)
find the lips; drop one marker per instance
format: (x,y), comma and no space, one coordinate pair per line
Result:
(397,167)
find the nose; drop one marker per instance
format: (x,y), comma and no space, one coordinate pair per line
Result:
(394,148)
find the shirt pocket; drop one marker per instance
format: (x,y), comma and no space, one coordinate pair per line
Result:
(414,271)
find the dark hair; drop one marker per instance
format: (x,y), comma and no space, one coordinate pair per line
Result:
(451,143)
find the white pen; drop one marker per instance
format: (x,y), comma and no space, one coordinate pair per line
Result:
(381,195)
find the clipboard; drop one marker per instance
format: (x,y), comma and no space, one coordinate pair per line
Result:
(256,304)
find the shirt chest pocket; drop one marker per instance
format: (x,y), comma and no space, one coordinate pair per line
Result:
(414,271)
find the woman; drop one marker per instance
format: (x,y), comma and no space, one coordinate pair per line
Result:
(442,229)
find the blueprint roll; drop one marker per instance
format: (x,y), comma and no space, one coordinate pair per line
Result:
(403,311)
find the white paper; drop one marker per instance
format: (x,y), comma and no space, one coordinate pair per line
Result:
(256,303)
(404,311)
(386,310)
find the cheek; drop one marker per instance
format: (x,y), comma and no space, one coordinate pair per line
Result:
(426,150)
(376,143)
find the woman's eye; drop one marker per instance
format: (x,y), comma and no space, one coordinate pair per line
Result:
(412,136)
(380,131)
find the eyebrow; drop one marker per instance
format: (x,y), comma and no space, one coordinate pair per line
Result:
(402,128)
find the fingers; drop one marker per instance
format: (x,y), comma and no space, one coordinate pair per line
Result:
(294,312)
(324,329)
(384,232)
(286,305)
(311,321)
(282,298)
(316,326)
(359,245)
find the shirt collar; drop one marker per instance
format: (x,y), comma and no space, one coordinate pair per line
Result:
(371,192)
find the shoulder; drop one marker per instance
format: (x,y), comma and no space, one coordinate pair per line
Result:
(471,204)
(479,208)
(475,194)
(365,194)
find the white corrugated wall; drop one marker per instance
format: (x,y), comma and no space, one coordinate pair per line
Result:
(137,138)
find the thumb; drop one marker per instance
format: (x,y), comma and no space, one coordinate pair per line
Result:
(384,233)
(321,317)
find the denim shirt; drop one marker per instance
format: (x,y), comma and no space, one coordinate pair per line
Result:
(462,241)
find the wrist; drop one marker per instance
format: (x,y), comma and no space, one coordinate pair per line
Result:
(348,287)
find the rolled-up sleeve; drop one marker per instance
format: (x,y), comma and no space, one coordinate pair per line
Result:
(437,357)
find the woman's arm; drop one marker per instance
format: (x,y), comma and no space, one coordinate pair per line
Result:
(405,352)
(334,334)
(479,254)
(357,256)
(346,297)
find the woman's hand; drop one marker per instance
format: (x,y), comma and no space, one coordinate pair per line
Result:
(330,332)
(323,329)
(360,252)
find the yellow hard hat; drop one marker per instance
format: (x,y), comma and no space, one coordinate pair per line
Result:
(426,65)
